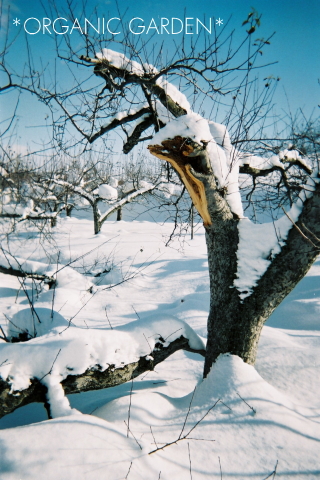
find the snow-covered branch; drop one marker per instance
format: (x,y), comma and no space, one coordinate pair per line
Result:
(73,188)
(127,199)
(26,214)
(125,355)
(261,167)
(11,265)
(111,65)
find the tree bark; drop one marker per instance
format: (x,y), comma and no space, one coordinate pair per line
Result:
(222,240)
(91,379)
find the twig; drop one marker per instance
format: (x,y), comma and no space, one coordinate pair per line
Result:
(311,233)
(220,468)
(172,334)
(50,371)
(129,411)
(54,289)
(128,471)
(185,420)
(226,405)
(148,342)
(300,231)
(135,311)
(144,376)
(22,284)
(153,437)
(201,439)
(16,326)
(84,255)
(190,468)
(254,411)
(273,473)
(105,308)
(5,338)
(202,418)
(31,305)
(133,435)
(186,435)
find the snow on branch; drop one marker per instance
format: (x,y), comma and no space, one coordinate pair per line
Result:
(73,188)
(128,198)
(260,244)
(187,143)
(111,65)
(50,281)
(26,213)
(260,166)
(72,360)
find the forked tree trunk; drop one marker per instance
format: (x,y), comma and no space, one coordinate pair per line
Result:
(234,326)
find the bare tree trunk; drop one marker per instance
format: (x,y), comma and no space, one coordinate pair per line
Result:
(234,326)
(53,221)
(69,209)
(119,214)
(96,218)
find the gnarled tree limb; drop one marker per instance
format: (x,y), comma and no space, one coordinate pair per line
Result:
(91,379)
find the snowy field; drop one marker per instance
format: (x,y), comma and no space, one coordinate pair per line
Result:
(240,423)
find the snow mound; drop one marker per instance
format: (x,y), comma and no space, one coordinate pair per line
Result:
(230,377)
(107,192)
(234,414)
(35,322)
(190,126)
(77,447)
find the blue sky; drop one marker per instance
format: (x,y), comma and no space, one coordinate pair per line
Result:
(295,46)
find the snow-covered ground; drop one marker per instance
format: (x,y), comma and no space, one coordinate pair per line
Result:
(240,423)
